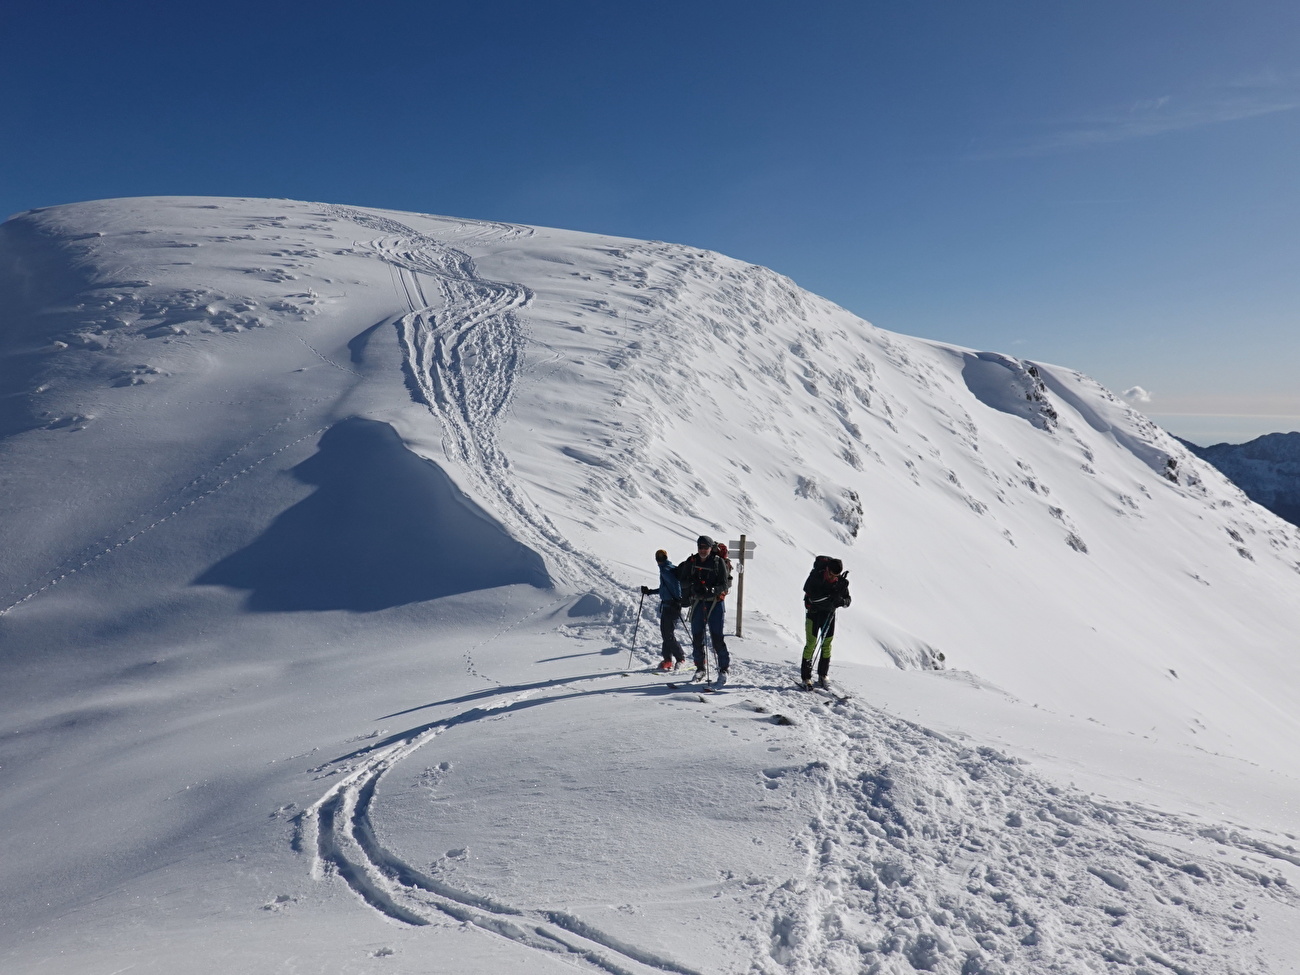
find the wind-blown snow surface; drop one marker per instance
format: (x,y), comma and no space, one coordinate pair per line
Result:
(321,533)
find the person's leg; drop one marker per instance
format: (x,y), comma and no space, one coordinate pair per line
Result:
(810,629)
(672,613)
(697,634)
(667,637)
(716,620)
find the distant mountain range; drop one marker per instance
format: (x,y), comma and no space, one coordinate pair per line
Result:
(1267,469)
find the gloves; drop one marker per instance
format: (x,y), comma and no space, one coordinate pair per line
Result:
(647,591)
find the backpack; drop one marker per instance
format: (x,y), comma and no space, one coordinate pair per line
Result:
(689,595)
(823,564)
(827,575)
(721,549)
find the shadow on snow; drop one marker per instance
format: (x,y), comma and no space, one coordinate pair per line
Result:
(384,528)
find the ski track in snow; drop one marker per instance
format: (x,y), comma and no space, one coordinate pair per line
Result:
(337,829)
(463,352)
(925,855)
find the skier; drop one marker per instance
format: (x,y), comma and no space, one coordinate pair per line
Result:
(825,591)
(670,610)
(706,579)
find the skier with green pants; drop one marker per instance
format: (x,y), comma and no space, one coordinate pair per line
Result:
(825,591)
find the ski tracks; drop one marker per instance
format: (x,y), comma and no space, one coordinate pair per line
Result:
(931,855)
(923,853)
(338,831)
(463,349)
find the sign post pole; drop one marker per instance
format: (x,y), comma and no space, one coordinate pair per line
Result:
(746,550)
(740,594)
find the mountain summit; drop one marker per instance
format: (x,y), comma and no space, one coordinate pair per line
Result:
(323,527)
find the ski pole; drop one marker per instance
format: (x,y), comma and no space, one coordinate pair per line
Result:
(634,630)
(821,639)
(686,630)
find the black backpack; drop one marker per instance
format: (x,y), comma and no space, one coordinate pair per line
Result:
(827,575)
(826,563)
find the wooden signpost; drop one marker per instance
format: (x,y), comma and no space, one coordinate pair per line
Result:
(746,550)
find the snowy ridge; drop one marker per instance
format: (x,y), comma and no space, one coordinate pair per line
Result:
(274,468)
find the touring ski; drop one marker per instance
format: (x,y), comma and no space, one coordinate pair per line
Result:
(694,686)
(828,690)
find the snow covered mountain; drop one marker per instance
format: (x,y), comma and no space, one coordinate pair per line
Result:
(322,533)
(1267,469)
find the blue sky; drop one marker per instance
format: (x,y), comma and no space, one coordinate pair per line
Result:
(1111,186)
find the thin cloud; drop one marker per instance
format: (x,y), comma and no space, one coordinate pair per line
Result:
(1136,395)
(1243,99)
(1238,416)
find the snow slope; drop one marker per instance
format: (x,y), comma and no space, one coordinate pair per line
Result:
(322,529)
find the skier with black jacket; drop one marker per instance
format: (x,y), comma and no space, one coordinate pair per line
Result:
(706,579)
(825,591)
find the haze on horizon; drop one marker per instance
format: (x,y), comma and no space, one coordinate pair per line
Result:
(1110,187)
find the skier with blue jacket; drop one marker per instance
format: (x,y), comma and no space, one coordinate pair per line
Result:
(670,610)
